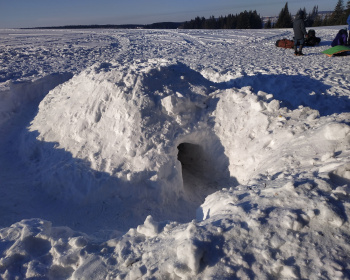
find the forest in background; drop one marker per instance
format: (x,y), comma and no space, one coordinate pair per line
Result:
(252,20)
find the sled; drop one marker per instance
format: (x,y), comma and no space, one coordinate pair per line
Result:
(336,50)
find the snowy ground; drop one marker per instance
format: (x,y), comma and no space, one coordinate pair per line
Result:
(133,154)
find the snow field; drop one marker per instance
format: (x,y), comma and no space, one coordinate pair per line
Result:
(176,155)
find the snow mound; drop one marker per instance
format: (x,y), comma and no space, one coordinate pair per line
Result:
(153,141)
(137,134)
(157,133)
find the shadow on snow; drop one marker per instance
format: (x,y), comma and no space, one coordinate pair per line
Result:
(296,90)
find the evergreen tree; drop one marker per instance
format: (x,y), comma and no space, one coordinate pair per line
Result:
(249,20)
(211,23)
(284,19)
(346,11)
(347,8)
(326,21)
(317,21)
(268,24)
(232,21)
(337,16)
(312,17)
(245,20)
(221,22)
(255,20)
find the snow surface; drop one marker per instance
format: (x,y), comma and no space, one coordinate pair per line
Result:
(153,154)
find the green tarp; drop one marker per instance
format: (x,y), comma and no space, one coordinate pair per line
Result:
(336,50)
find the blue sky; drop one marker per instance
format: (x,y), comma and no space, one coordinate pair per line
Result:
(35,13)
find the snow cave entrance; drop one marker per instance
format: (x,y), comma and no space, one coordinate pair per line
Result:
(191,158)
(197,171)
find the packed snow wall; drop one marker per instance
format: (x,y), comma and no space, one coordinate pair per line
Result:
(115,131)
(20,94)
(154,133)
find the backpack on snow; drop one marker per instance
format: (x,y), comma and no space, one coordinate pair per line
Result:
(311,39)
(285,43)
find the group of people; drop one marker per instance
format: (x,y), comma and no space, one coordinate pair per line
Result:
(300,34)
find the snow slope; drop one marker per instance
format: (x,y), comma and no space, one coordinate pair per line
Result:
(143,154)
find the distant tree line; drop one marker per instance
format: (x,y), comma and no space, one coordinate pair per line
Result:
(92,26)
(159,25)
(244,20)
(313,18)
(252,20)
(163,25)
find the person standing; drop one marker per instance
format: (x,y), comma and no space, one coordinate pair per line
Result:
(299,33)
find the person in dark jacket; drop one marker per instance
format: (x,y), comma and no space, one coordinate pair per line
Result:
(341,38)
(299,33)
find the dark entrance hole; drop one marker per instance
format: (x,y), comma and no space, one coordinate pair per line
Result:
(192,159)
(197,172)
(204,169)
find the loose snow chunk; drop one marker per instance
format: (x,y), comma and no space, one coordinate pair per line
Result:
(273,106)
(343,190)
(331,216)
(92,268)
(190,254)
(341,175)
(336,131)
(343,171)
(177,104)
(258,105)
(289,272)
(150,228)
